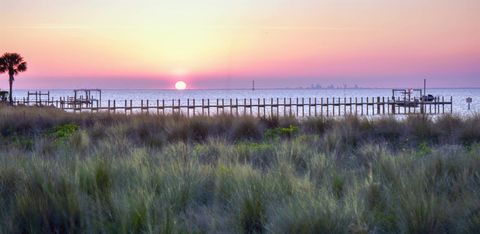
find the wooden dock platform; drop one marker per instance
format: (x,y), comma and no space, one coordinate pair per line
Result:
(264,107)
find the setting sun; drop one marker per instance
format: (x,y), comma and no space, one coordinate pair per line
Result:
(180,85)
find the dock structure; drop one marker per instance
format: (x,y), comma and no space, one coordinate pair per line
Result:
(37,96)
(262,107)
(83,98)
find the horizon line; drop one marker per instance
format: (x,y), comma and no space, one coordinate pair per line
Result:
(285,88)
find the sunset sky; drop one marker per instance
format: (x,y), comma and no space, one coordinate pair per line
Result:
(226,44)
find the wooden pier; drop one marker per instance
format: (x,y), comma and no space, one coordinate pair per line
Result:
(264,107)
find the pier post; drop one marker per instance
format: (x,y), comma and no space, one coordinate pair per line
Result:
(264,106)
(290,106)
(303,107)
(163,106)
(356,106)
(430,107)
(296,107)
(251,106)
(309,105)
(131,106)
(451,104)
(278,106)
(236,106)
(361,103)
(223,106)
(194,107)
(327,108)
(333,106)
(393,106)
(148,107)
(179,107)
(339,106)
(367,106)
(258,107)
(443,105)
(272,105)
(350,105)
(383,105)
(245,104)
(422,106)
(321,106)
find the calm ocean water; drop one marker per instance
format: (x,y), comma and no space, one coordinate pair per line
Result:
(459,95)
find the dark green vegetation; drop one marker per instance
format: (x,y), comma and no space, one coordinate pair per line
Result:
(90,173)
(12,63)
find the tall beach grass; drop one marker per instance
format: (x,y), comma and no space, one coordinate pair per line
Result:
(110,173)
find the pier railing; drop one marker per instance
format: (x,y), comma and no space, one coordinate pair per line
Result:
(299,107)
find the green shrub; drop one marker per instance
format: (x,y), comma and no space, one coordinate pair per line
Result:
(423,149)
(338,185)
(64,131)
(281,132)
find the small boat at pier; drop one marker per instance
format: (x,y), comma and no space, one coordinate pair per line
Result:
(410,97)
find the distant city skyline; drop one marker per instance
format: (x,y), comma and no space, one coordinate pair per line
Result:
(227,44)
(133,83)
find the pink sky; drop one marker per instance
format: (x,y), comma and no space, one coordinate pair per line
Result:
(226,44)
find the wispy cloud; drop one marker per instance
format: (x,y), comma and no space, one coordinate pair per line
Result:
(211,27)
(292,28)
(49,27)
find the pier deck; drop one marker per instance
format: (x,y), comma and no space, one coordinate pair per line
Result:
(299,107)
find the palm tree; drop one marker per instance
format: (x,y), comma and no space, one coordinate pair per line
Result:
(12,63)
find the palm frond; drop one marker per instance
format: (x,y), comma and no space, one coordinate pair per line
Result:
(22,67)
(13,58)
(3,65)
(13,63)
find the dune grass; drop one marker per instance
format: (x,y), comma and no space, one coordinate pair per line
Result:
(104,173)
